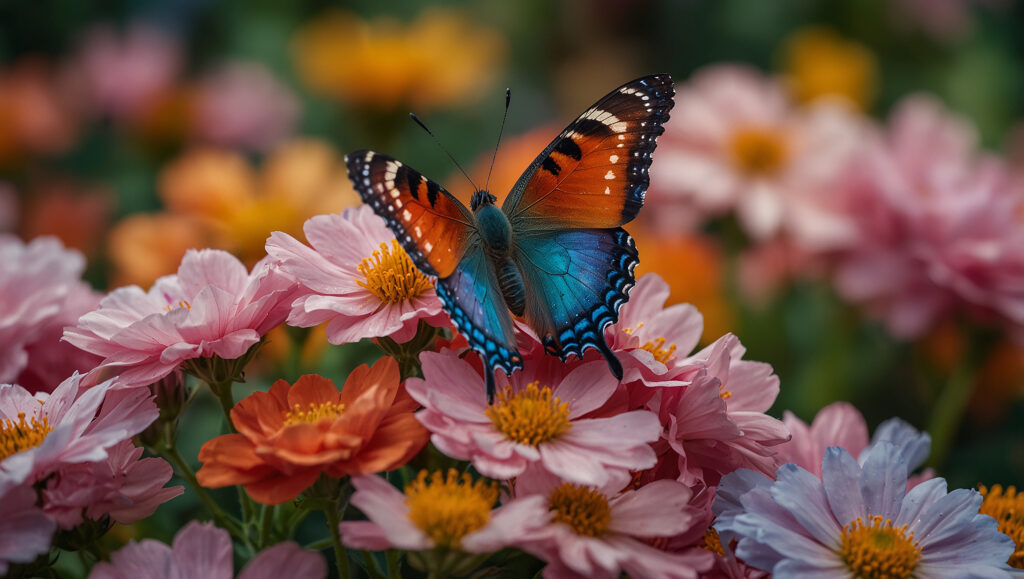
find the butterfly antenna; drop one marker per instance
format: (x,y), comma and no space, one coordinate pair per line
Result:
(446,152)
(508,99)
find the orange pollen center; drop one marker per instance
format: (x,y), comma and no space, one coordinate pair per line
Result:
(180,304)
(656,347)
(531,416)
(584,509)
(1007,508)
(758,151)
(313,413)
(16,436)
(879,550)
(391,275)
(447,508)
(712,542)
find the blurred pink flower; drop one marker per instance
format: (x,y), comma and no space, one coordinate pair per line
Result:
(66,427)
(125,486)
(360,280)
(737,143)
(203,550)
(939,226)
(531,422)
(947,20)
(600,532)
(242,104)
(41,291)
(123,72)
(25,532)
(211,307)
(396,520)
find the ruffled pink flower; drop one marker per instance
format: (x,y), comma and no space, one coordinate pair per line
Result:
(242,104)
(600,532)
(41,290)
(531,422)
(362,283)
(203,550)
(25,532)
(122,486)
(737,143)
(69,426)
(939,227)
(211,307)
(392,526)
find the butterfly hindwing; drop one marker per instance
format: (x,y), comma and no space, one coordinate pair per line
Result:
(576,281)
(595,173)
(433,227)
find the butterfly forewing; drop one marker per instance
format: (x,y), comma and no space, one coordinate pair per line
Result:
(433,227)
(595,173)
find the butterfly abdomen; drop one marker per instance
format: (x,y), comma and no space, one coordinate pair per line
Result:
(510,280)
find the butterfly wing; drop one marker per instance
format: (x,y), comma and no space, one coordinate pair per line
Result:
(595,173)
(433,226)
(576,281)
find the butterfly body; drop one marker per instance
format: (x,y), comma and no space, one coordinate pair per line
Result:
(554,254)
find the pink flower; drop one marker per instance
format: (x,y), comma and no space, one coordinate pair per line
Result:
(203,550)
(736,143)
(599,532)
(938,226)
(531,422)
(41,290)
(441,511)
(211,307)
(242,104)
(122,486)
(25,532)
(362,283)
(68,427)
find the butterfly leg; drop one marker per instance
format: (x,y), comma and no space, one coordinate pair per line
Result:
(489,377)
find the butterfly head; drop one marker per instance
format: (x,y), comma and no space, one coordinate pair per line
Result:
(480,199)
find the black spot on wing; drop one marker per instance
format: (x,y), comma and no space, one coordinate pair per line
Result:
(589,128)
(432,190)
(413,178)
(550,166)
(569,148)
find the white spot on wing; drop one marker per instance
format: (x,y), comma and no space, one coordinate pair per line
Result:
(407,215)
(609,175)
(428,246)
(614,158)
(607,190)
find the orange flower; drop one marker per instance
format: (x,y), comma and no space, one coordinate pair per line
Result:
(288,436)
(145,247)
(819,62)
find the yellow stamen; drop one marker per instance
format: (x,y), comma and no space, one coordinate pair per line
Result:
(758,151)
(531,416)
(448,508)
(181,304)
(657,347)
(391,275)
(313,413)
(879,550)
(23,434)
(1007,508)
(584,509)
(712,542)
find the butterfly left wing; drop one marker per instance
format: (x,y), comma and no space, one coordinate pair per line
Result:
(595,173)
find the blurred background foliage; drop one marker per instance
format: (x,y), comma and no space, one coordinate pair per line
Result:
(135,130)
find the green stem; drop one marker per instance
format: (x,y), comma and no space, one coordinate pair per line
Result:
(394,559)
(319,545)
(266,525)
(949,408)
(226,399)
(222,519)
(340,557)
(371,566)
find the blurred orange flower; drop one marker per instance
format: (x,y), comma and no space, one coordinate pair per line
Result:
(442,58)
(817,63)
(76,214)
(33,118)
(144,247)
(288,436)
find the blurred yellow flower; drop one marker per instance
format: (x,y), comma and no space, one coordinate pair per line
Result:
(442,58)
(817,62)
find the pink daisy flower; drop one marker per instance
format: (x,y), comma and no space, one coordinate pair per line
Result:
(531,422)
(203,550)
(361,282)
(125,486)
(41,290)
(211,307)
(438,511)
(25,532)
(48,431)
(599,532)
(736,143)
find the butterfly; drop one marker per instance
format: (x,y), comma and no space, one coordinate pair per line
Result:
(555,253)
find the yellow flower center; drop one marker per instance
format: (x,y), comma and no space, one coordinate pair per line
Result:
(313,413)
(531,416)
(712,542)
(584,509)
(23,434)
(879,550)
(1007,508)
(391,275)
(656,347)
(447,508)
(757,151)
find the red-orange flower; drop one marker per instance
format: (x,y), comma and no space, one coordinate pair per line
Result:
(288,436)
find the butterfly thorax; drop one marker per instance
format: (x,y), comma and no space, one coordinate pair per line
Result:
(496,233)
